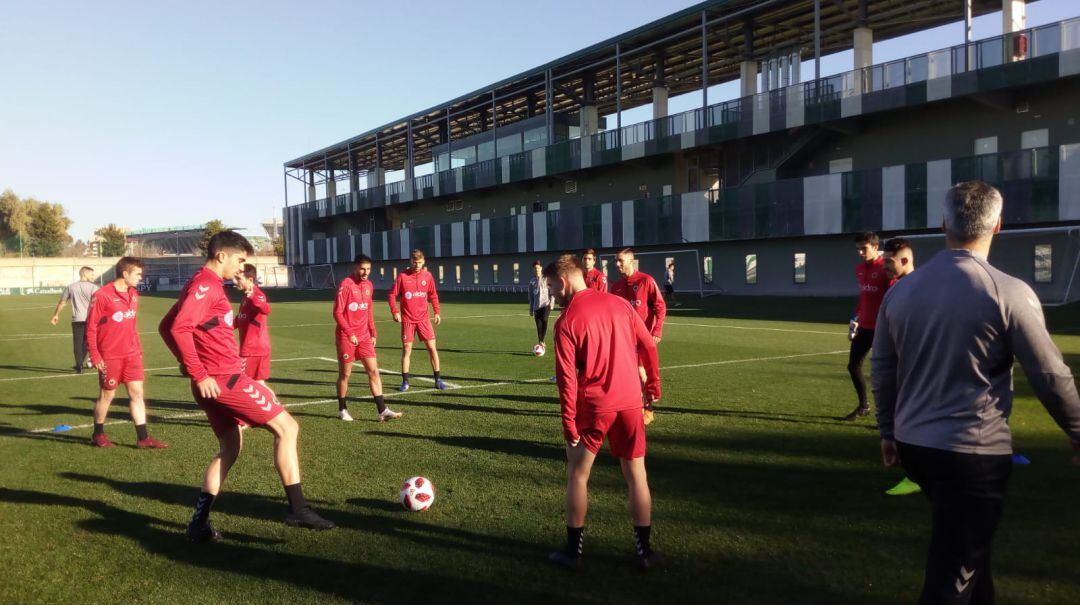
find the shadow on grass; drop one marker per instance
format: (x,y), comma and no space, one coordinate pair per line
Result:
(837,420)
(514,447)
(464,407)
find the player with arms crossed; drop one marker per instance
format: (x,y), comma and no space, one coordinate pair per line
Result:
(252,324)
(354,316)
(598,342)
(116,351)
(873,282)
(594,278)
(198,330)
(416,288)
(640,289)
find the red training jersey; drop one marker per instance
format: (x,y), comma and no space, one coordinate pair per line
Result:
(252,324)
(354,311)
(598,342)
(596,280)
(416,288)
(872,286)
(111,332)
(641,291)
(199,329)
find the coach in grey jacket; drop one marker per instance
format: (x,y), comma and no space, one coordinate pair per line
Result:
(944,347)
(540,303)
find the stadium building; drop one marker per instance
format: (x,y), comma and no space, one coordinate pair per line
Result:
(757,188)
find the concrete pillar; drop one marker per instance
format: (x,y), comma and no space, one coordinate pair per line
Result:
(864,47)
(590,120)
(310,186)
(659,102)
(376,177)
(1013,16)
(748,78)
(354,176)
(331,185)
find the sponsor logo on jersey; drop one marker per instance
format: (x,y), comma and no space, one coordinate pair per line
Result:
(408,295)
(120,316)
(229,318)
(353,306)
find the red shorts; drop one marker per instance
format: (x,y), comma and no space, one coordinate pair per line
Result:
(625,431)
(348,352)
(422,328)
(121,371)
(256,368)
(242,401)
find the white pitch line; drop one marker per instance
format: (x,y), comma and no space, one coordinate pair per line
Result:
(728,327)
(173,367)
(385,371)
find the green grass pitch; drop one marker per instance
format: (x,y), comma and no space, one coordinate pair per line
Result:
(761,495)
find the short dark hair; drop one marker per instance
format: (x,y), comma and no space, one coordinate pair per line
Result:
(127,263)
(895,245)
(416,253)
(361,259)
(250,271)
(625,251)
(587,252)
(564,265)
(537,263)
(228,240)
(867,237)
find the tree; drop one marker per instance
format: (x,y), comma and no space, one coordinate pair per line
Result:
(48,228)
(212,228)
(279,245)
(113,240)
(75,250)
(14,219)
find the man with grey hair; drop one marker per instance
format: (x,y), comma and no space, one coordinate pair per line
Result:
(79,293)
(942,378)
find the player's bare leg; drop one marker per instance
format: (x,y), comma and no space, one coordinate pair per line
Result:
(343,374)
(101,412)
(433,357)
(287,461)
(137,403)
(579,462)
(229,445)
(639,501)
(406,358)
(371,366)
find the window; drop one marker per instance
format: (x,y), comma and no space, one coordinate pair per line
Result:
(453,205)
(707,270)
(1043,273)
(643,191)
(751,269)
(475,216)
(985,145)
(554,206)
(442,276)
(476,274)
(457,274)
(395,273)
(840,165)
(495,274)
(1031,139)
(800,267)
(570,187)
(382,273)
(517,273)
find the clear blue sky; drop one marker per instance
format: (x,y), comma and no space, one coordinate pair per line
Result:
(177,112)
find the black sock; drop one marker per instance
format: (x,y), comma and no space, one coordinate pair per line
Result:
(641,540)
(436,374)
(202,508)
(141,432)
(295,494)
(405,377)
(575,540)
(342,404)
(380,403)
(99,428)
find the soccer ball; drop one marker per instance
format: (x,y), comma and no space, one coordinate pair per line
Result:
(417,494)
(539,350)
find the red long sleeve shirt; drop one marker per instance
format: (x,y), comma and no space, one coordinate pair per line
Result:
(111,331)
(598,342)
(354,311)
(199,328)
(252,324)
(415,288)
(595,279)
(872,286)
(644,295)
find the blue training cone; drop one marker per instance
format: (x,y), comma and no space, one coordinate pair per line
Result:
(1021,460)
(61,428)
